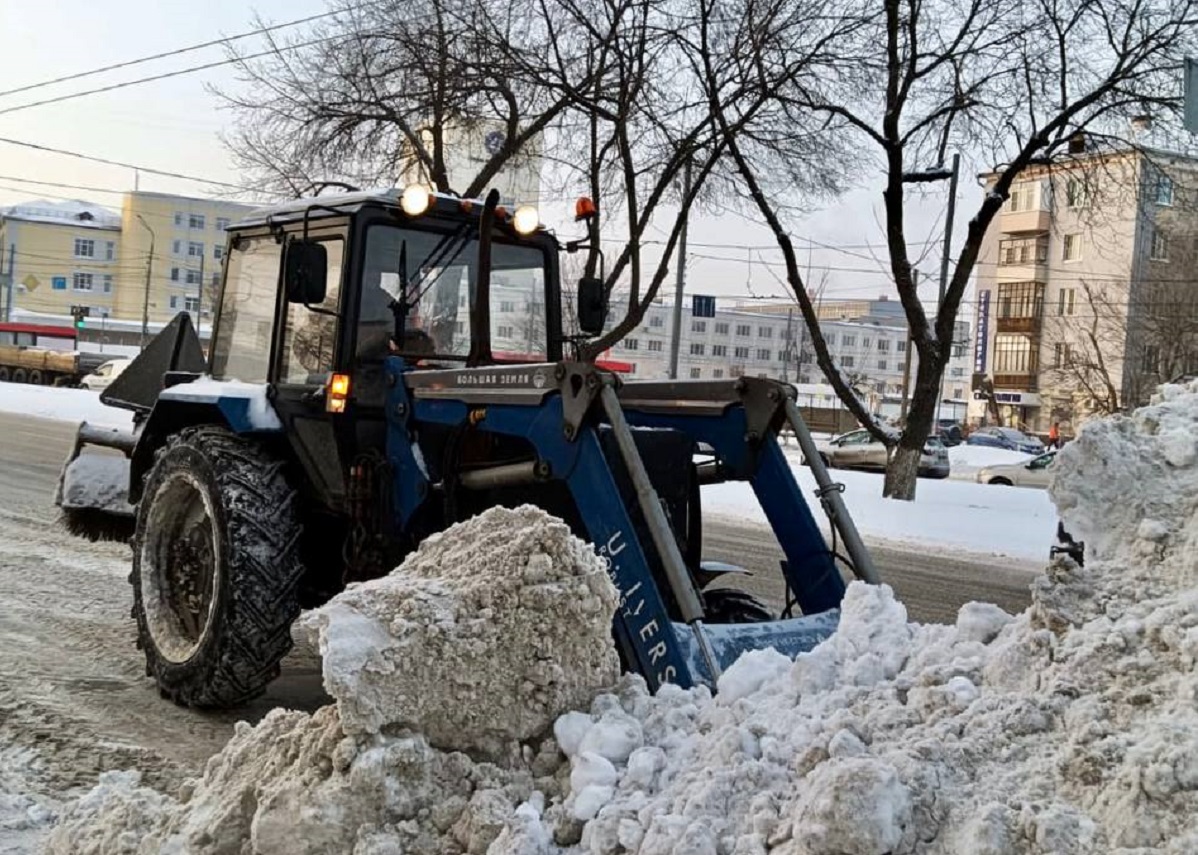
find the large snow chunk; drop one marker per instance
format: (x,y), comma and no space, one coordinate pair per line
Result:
(854,805)
(484,635)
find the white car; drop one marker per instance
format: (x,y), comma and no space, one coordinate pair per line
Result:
(105,374)
(1035,473)
(859,449)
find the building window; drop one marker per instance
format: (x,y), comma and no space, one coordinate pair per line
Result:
(717,373)
(699,326)
(900,346)
(1160,245)
(195,249)
(218,252)
(883,345)
(721,328)
(763,353)
(781,355)
(848,340)
(1065,301)
(865,342)
(1077,194)
(505,331)
(85,248)
(881,364)
(632,343)
(222,223)
(176,247)
(193,277)
(765,332)
(698,348)
(1025,196)
(81,281)
(459,328)
(740,352)
(1071,249)
(188,304)
(846,361)
(696,373)
(215,279)
(1164,190)
(195,221)
(719,350)
(656,321)
(1151,362)
(1020,299)
(744,330)
(107,283)
(1023,251)
(174,274)
(178,222)
(830,338)
(109,250)
(1061,355)
(654,346)
(1014,354)
(507,306)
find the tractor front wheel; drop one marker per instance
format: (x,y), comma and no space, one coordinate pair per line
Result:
(216,565)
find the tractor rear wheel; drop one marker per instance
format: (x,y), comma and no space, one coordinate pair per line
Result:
(216,566)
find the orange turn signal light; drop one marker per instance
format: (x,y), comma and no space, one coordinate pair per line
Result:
(584,209)
(338,393)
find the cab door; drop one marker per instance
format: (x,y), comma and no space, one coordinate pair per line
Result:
(307,349)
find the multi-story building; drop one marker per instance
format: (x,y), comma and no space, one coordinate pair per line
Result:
(63,254)
(57,254)
(188,239)
(883,310)
(1085,291)
(772,341)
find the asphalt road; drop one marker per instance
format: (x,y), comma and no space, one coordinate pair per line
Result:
(72,685)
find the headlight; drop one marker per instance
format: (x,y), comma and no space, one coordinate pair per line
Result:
(525,220)
(415,200)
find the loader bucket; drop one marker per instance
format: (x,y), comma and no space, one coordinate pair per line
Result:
(93,488)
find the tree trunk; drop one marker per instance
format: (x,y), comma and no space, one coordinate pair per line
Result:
(903,469)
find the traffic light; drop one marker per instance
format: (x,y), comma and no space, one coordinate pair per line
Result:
(80,315)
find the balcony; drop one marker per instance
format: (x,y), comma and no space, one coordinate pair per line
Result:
(1016,222)
(1027,326)
(1017,382)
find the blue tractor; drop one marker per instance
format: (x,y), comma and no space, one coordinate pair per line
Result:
(383,365)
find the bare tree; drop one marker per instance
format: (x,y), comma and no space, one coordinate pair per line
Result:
(1007,81)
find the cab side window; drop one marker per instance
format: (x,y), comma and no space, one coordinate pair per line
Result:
(244,327)
(310,338)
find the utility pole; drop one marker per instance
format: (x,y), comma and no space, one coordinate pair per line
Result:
(948,242)
(790,344)
(200,300)
(12,257)
(907,358)
(676,334)
(145,303)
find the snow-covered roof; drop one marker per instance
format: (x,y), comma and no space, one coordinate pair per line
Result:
(76,213)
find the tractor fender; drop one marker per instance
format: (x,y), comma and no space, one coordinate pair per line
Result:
(243,408)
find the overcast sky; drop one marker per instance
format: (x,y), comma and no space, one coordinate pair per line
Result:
(174,125)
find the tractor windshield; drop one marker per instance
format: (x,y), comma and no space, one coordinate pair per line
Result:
(437,273)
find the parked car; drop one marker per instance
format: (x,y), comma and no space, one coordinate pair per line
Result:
(949,431)
(105,374)
(1033,473)
(1008,438)
(859,449)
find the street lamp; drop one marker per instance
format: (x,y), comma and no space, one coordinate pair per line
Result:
(145,303)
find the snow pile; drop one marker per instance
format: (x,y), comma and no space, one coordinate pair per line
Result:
(1070,728)
(480,639)
(484,636)
(53,402)
(970,458)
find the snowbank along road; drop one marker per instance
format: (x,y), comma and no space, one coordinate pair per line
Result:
(74,700)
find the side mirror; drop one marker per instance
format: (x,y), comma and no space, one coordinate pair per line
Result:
(592,305)
(306,272)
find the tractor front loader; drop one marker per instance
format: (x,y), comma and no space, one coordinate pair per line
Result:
(384,365)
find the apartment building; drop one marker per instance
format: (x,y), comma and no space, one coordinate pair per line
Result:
(187,235)
(1085,297)
(63,254)
(882,309)
(772,341)
(57,254)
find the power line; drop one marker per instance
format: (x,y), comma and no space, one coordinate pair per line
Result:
(168,74)
(147,169)
(176,52)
